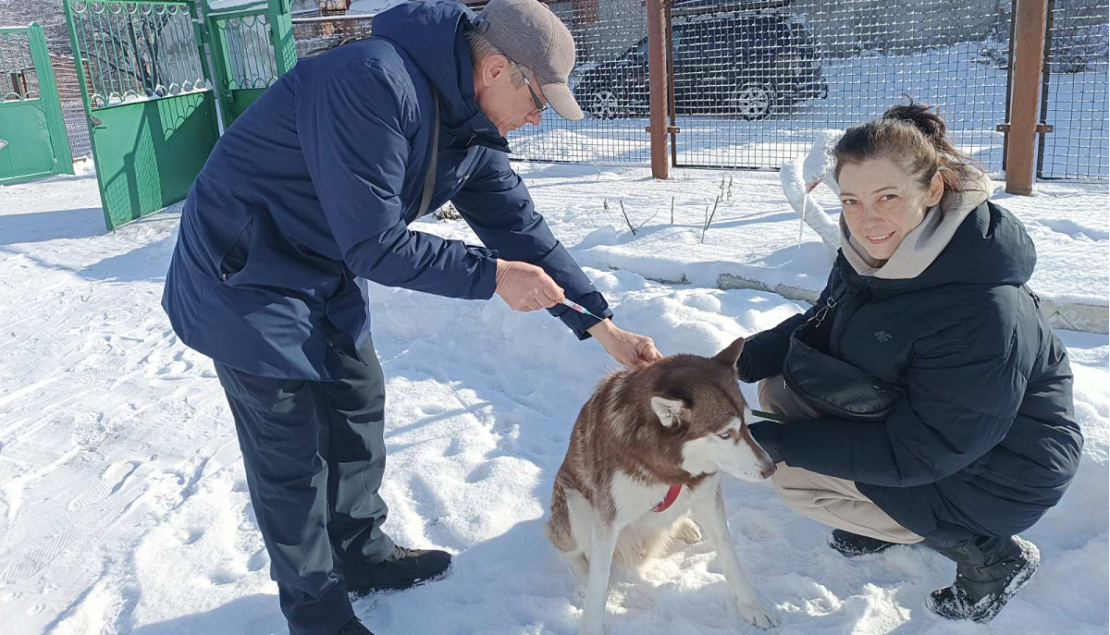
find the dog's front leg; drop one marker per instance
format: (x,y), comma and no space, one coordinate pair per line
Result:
(710,515)
(603,542)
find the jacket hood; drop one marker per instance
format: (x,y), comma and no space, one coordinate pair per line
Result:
(433,35)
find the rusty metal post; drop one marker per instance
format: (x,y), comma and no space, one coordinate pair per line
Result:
(657,84)
(1021,146)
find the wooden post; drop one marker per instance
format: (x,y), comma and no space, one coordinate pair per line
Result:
(1021,147)
(657,81)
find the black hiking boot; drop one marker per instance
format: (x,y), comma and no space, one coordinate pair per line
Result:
(851,545)
(402,569)
(354,627)
(989,571)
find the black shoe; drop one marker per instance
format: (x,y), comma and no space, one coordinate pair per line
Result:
(852,545)
(354,627)
(402,569)
(984,584)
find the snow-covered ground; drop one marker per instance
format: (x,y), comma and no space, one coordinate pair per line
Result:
(123,503)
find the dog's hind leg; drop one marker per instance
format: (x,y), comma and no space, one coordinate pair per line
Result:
(603,542)
(709,513)
(558,528)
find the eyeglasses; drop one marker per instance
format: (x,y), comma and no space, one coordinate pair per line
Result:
(540,106)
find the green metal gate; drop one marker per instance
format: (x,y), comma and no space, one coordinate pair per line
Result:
(251,46)
(33,141)
(151,111)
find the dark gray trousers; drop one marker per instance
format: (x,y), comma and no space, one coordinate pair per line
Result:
(314,455)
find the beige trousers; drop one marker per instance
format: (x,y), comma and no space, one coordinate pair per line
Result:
(829,500)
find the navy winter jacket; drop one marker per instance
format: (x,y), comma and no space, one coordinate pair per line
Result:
(985,440)
(315,185)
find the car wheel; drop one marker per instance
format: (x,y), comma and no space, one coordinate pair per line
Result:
(753,100)
(604,104)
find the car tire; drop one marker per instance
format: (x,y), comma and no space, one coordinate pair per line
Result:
(753,100)
(604,103)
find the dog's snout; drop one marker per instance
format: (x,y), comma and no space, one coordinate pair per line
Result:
(768,471)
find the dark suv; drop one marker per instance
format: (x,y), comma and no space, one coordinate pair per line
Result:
(745,64)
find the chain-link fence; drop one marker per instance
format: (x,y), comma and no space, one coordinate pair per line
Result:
(753,82)
(73,109)
(317,33)
(1075,98)
(752,88)
(610,81)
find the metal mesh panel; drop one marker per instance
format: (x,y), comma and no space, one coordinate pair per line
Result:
(606,32)
(18,78)
(1075,100)
(610,81)
(137,51)
(73,109)
(315,34)
(755,80)
(752,87)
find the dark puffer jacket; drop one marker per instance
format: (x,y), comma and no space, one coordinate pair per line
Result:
(985,440)
(312,190)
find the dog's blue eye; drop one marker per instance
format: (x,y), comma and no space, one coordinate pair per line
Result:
(726,435)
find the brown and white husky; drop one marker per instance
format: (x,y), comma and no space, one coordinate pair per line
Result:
(644,465)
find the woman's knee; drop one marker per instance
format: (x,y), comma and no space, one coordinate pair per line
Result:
(776,397)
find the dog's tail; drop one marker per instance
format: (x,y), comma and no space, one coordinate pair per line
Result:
(558,527)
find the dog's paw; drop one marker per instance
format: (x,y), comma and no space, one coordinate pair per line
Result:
(757,612)
(687,531)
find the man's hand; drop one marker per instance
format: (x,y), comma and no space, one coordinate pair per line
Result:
(526,287)
(629,349)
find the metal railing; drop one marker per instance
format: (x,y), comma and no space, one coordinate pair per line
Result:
(244,35)
(18,79)
(137,50)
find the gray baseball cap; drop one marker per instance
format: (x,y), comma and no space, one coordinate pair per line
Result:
(529,34)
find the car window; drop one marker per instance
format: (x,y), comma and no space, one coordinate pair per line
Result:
(641,49)
(694,43)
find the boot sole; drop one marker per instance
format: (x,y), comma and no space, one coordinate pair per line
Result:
(358,594)
(987,612)
(856,554)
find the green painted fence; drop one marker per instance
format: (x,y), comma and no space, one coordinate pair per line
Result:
(33,141)
(251,47)
(148,99)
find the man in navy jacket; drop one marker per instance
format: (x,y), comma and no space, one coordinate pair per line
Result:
(309,193)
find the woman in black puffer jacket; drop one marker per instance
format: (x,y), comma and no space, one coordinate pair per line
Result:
(928,299)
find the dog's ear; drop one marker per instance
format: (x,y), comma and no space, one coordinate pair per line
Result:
(671,407)
(730,355)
